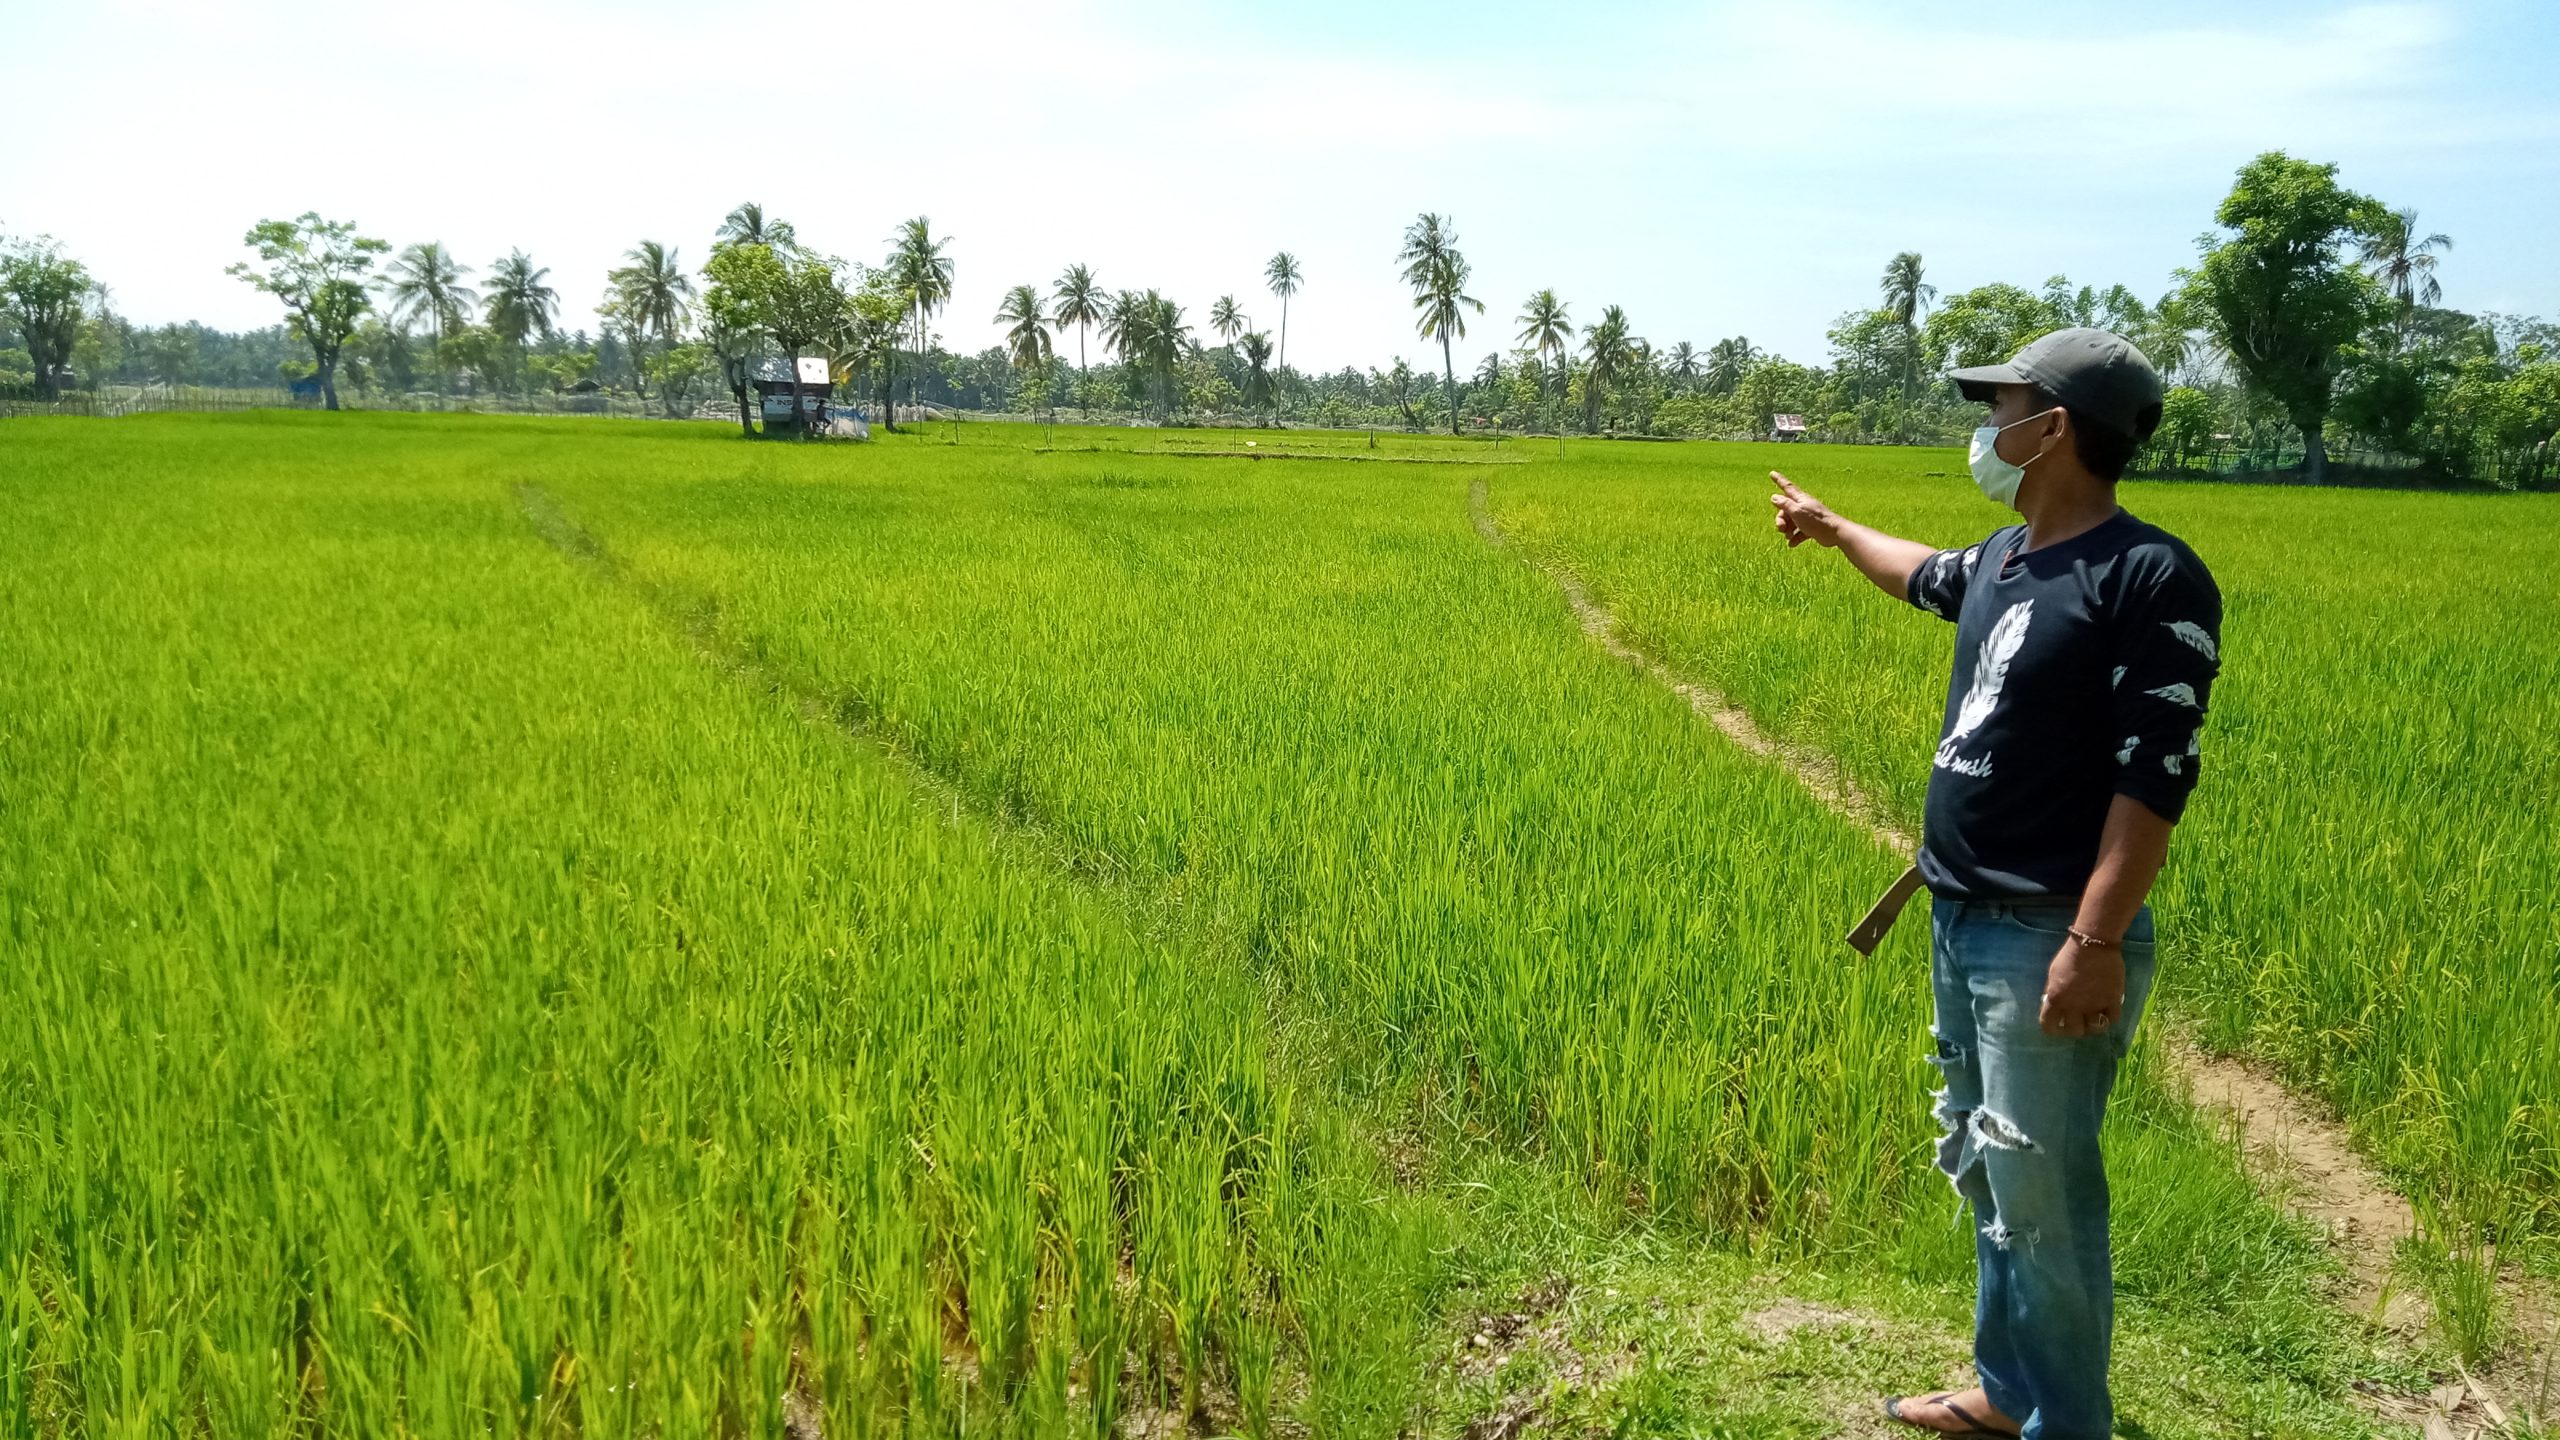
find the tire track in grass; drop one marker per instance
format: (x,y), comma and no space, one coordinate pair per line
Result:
(1154,909)
(846,714)
(2293,1149)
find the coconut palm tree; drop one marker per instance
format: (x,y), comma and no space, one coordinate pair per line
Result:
(1148,333)
(1165,340)
(425,283)
(1726,362)
(520,306)
(1682,363)
(2404,264)
(1438,274)
(1226,319)
(1027,342)
(654,289)
(1546,328)
(1906,297)
(1079,303)
(1284,277)
(1124,324)
(748,225)
(1257,371)
(916,258)
(1610,351)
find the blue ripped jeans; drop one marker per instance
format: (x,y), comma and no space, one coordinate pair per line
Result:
(2022,1110)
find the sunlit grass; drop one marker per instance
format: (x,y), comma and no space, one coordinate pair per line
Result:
(2362,891)
(545,929)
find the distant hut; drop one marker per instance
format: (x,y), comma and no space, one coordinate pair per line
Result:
(1787,427)
(776,382)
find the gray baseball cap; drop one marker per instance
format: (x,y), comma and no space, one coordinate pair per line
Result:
(2096,372)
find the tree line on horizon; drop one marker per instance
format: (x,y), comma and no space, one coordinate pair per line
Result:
(2314,313)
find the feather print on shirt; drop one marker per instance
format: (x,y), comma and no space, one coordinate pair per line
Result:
(1991,669)
(2179,693)
(2195,635)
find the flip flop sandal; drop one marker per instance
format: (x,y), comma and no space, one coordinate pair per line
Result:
(1980,1431)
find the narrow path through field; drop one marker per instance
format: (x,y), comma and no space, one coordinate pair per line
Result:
(2303,1156)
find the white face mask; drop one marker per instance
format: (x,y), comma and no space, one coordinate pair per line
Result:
(1998,478)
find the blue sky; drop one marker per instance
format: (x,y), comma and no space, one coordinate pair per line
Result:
(1718,169)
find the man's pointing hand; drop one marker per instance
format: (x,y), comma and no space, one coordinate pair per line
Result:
(1801,517)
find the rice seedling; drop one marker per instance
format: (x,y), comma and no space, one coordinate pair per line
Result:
(543,933)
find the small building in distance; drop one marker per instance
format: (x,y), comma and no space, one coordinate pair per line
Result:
(776,380)
(1787,427)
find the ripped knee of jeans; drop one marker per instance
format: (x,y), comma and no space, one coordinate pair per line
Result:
(1954,1124)
(1998,1131)
(1965,1131)
(1949,1052)
(2004,1237)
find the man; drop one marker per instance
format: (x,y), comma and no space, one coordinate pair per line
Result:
(2086,646)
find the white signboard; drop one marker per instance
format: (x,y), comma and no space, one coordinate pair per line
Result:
(813,370)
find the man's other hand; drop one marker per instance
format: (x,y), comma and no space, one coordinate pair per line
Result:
(2083,990)
(1801,517)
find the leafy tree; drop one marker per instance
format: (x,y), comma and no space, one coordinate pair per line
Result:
(2279,292)
(743,278)
(680,371)
(870,339)
(1284,277)
(475,352)
(1438,274)
(1226,319)
(389,351)
(1546,329)
(44,294)
(1398,382)
(565,369)
(1986,325)
(1772,386)
(2187,423)
(1079,302)
(316,268)
(624,314)
(916,258)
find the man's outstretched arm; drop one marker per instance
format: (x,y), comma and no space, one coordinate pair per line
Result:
(1888,560)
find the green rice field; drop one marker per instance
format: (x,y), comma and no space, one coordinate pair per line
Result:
(537,929)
